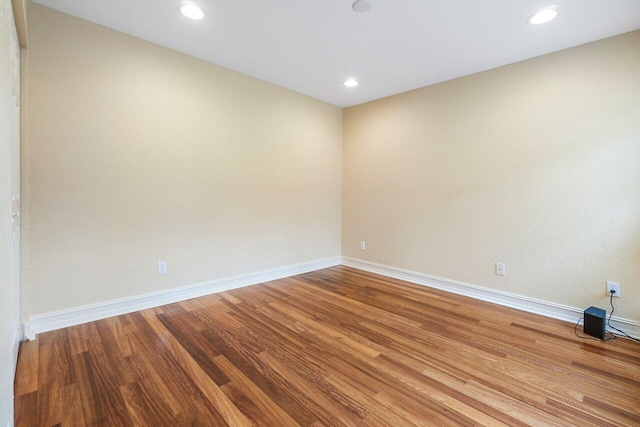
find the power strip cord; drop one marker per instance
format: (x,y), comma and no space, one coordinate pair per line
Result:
(621,334)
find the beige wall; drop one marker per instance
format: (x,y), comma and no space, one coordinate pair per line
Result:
(535,164)
(139,154)
(8,313)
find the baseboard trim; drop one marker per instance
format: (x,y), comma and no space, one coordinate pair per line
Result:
(531,305)
(27,332)
(89,313)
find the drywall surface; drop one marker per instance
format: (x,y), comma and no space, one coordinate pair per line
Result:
(535,165)
(139,154)
(8,313)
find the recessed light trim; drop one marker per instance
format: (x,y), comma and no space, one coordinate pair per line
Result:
(362,6)
(543,16)
(351,83)
(191,10)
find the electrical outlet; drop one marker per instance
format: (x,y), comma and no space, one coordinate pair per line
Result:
(500,269)
(613,286)
(162,267)
(363,246)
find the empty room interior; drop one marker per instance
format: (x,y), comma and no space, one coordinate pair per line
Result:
(319,213)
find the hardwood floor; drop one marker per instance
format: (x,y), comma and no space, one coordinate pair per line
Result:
(333,347)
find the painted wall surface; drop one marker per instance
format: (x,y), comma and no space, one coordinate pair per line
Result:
(8,315)
(535,164)
(139,154)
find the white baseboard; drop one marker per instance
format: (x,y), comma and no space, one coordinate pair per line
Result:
(75,316)
(27,332)
(89,313)
(532,305)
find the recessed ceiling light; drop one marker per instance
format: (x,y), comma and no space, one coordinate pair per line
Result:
(362,6)
(351,83)
(191,10)
(543,16)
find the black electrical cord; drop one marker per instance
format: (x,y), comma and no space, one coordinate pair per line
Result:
(622,334)
(575,331)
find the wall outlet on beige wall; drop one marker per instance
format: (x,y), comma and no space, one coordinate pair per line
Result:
(162,267)
(500,269)
(613,286)
(363,246)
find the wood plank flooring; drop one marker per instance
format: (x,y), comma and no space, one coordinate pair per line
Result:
(336,347)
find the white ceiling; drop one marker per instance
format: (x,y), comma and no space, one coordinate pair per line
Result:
(312,46)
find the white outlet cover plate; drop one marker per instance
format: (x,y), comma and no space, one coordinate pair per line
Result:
(613,286)
(162,267)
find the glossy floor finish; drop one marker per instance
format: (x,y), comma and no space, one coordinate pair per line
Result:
(334,347)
